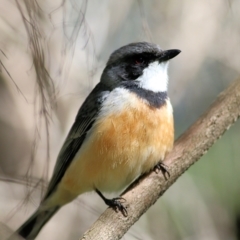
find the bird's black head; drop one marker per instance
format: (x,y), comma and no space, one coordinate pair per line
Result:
(142,63)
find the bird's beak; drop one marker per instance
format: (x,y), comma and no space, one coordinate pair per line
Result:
(168,54)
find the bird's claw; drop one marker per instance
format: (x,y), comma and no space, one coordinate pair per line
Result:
(163,168)
(116,204)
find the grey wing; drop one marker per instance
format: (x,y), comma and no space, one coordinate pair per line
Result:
(83,123)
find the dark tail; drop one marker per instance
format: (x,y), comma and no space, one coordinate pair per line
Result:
(30,229)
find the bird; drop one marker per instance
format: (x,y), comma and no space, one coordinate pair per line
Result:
(122,130)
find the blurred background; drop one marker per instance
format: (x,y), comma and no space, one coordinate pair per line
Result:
(52,54)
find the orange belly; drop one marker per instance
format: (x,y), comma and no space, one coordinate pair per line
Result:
(118,149)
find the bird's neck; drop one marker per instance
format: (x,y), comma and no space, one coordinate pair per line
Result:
(154,99)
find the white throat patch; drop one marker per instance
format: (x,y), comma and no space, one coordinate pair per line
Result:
(154,77)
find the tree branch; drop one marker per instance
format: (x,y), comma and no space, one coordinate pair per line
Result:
(187,150)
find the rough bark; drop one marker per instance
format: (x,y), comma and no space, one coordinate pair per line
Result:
(187,150)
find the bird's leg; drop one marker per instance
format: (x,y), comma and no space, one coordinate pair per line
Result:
(163,168)
(115,203)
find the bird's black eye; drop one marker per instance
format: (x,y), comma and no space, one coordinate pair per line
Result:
(139,60)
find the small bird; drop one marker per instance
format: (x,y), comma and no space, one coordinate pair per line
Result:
(123,129)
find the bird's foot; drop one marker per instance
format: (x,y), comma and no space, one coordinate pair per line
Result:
(163,168)
(115,203)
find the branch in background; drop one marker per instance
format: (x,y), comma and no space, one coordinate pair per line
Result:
(36,21)
(45,89)
(187,150)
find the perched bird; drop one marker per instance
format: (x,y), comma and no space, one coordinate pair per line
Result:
(123,129)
